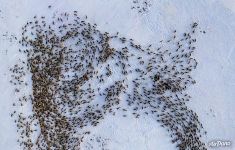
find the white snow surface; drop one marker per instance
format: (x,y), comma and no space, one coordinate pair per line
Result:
(213,97)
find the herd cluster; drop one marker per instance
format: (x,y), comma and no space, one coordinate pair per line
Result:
(141,6)
(78,75)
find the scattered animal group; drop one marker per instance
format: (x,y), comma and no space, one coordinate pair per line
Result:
(141,6)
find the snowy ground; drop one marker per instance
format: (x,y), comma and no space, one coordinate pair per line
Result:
(212,97)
